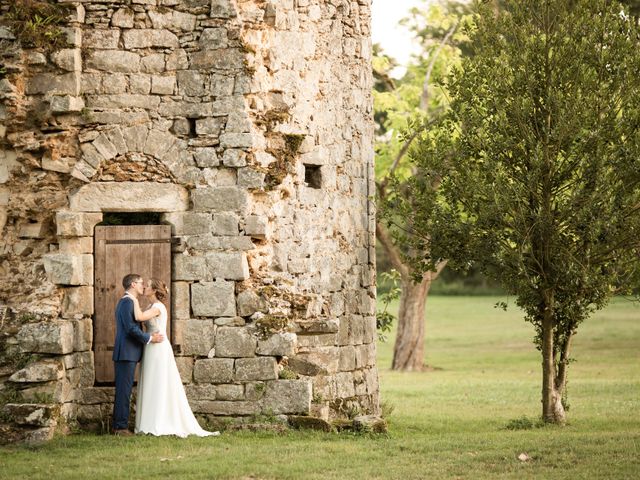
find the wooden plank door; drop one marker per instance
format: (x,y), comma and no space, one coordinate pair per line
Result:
(120,250)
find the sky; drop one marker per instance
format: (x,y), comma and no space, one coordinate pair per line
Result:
(395,40)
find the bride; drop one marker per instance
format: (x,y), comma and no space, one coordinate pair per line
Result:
(162,407)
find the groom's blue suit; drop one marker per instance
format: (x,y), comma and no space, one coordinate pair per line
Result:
(127,352)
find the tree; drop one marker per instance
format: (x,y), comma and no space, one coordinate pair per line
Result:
(538,166)
(412,100)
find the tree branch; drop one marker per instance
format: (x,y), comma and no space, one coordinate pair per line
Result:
(392,250)
(424,99)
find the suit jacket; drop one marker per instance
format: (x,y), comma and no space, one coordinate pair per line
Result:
(130,339)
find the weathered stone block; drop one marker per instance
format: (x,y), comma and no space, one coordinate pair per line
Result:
(63,269)
(158,143)
(33,230)
(66,104)
(46,371)
(124,100)
(163,84)
(189,268)
(105,147)
(113,61)
(256,226)
(219,407)
(186,110)
(130,197)
(185,368)
(75,245)
(230,322)
(250,178)
(235,342)
(325,359)
(148,38)
(230,392)
(46,337)
(195,223)
(209,126)
(249,303)
(224,224)
(8,163)
(116,138)
(66,84)
(228,266)
(140,84)
(213,370)
(222,9)
(213,38)
(220,59)
(213,299)
(100,38)
(123,18)
(180,301)
(236,140)
(77,301)
(198,337)
(33,414)
(369,324)
(154,63)
(191,83)
(68,59)
(83,333)
(280,344)
(347,358)
(220,199)
(262,368)
(234,158)
(90,155)
(288,397)
(206,157)
(199,392)
(344,385)
(135,137)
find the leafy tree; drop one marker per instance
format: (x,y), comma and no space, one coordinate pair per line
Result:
(413,100)
(538,167)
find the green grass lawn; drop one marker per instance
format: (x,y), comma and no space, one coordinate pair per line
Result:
(448,422)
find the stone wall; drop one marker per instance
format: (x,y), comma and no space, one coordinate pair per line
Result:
(248,124)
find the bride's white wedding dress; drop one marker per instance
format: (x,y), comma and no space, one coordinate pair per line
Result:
(162,407)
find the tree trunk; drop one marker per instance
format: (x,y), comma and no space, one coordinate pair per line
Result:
(552,408)
(408,351)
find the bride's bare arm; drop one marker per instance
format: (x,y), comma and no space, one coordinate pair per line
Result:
(147,314)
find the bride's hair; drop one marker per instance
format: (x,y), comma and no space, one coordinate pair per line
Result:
(160,288)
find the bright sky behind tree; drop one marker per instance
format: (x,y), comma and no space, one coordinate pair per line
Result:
(396,41)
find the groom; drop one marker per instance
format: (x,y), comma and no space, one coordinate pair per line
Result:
(127,351)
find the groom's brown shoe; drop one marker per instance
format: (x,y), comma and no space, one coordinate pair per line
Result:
(123,432)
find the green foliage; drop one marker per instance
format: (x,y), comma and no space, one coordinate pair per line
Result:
(38,23)
(538,162)
(524,423)
(384,319)
(270,324)
(287,374)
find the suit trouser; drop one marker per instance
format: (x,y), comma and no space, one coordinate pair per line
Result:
(125,373)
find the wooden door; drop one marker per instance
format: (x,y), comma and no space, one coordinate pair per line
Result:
(120,250)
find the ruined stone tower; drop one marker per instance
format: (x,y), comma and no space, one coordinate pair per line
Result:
(243,125)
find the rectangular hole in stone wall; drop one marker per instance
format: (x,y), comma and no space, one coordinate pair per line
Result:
(313,176)
(192,127)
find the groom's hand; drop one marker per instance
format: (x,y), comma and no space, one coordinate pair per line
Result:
(157,337)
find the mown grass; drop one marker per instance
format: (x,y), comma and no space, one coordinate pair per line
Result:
(448,422)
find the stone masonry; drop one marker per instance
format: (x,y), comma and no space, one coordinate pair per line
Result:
(248,125)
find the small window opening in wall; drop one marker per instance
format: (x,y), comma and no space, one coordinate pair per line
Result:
(192,127)
(135,218)
(312,176)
